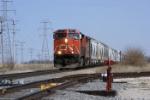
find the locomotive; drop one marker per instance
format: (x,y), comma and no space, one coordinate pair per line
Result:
(73,49)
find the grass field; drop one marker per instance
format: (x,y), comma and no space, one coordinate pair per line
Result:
(123,68)
(28,67)
(115,68)
(33,66)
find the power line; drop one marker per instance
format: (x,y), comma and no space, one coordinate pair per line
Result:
(24,26)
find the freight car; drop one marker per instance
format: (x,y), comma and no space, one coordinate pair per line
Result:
(73,49)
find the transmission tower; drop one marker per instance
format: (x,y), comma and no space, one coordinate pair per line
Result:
(5,35)
(45,50)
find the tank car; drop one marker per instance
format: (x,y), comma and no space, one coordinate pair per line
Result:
(73,49)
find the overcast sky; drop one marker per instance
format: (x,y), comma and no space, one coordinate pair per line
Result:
(117,23)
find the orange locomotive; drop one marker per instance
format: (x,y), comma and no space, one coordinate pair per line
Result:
(67,46)
(73,49)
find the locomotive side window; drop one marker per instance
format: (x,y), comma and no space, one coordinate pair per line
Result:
(60,35)
(73,35)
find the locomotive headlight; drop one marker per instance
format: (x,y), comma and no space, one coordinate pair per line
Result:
(72,52)
(59,52)
(66,40)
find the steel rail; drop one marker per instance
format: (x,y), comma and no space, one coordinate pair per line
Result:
(71,77)
(37,84)
(131,74)
(29,74)
(40,94)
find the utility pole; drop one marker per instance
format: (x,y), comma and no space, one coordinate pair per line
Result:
(14,41)
(2,44)
(45,49)
(22,51)
(31,49)
(6,37)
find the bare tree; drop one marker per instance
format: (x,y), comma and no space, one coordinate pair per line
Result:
(134,56)
(147,58)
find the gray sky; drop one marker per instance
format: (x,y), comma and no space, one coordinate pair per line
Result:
(117,23)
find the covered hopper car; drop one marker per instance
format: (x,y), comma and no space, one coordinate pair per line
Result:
(73,49)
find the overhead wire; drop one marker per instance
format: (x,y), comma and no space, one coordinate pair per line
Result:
(22,25)
(25,29)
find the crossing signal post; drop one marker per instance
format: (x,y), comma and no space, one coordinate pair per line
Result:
(109,77)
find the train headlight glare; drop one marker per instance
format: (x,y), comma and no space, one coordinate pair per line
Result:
(72,52)
(66,40)
(59,52)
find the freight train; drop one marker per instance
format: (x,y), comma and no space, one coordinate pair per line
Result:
(72,49)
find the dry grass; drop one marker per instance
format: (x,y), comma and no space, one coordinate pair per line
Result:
(33,67)
(115,68)
(124,68)
(27,67)
(119,68)
(102,69)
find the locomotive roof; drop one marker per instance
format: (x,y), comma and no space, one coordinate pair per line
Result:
(71,30)
(97,40)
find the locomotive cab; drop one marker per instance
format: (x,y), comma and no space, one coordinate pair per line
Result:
(66,48)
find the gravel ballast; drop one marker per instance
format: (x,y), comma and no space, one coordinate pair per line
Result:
(135,89)
(125,91)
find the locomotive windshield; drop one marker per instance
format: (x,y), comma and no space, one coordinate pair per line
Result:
(73,35)
(60,35)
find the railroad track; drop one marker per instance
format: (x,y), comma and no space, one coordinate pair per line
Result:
(37,73)
(34,73)
(65,81)
(30,74)
(131,74)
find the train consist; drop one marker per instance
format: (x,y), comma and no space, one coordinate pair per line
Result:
(73,49)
